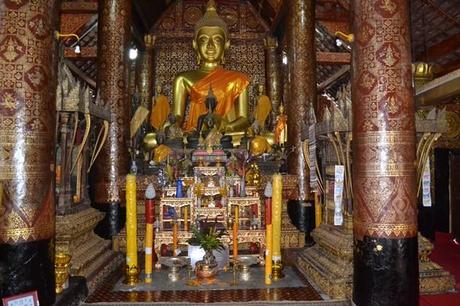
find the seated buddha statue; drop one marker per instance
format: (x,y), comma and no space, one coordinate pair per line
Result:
(211,40)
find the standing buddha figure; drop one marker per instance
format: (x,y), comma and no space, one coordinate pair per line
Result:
(281,127)
(210,42)
(160,109)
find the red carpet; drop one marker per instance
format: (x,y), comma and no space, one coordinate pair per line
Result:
(447,254)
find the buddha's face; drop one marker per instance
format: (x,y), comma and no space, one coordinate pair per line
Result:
(210,44)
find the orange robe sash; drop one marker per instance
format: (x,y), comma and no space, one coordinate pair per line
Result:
(160,112)
(227,85)
(280,125)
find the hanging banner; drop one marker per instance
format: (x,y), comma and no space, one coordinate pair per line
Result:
(338,194)
(426,185)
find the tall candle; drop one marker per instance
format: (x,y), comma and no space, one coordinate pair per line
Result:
(131,221)
(235,233)
(276,215)
(268,253)
(149,219)
(317,209)
(268,234)
(148,252)
(186,218)
(175,230)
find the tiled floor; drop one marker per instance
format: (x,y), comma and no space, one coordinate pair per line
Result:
(105,294)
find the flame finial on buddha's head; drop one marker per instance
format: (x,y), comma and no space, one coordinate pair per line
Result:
(211,19)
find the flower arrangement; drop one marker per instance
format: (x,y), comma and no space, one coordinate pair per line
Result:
(207,236)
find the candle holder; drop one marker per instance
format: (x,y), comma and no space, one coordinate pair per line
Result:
(62,265)
(277,270)
(245,261)
(131,275)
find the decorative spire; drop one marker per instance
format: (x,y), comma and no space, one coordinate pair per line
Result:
(211,19)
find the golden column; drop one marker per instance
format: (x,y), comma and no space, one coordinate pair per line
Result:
(27,127)
(113,161)
(384,188)
(272,72)
(145,72)
(302,72)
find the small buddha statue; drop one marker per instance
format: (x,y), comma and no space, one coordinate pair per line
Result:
(263,108)
(210,42)
(281,127)
(160,109)
(210,119)
(174,134)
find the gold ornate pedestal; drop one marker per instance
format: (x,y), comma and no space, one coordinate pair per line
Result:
(92,256)
(329,264)
(433,278)
(291,237)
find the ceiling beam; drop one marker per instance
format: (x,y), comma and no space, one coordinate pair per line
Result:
(80,73)
(451,66)
(333,58)
(337,75)
(78,7)
(86,53)
(141,15)
(444,47)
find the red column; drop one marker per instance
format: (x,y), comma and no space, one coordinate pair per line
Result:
(113,161)
(272,72)
(27,127)
(302,71)
(385,212)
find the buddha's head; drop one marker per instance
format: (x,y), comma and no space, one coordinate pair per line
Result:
(261,89)
(211,36)
(158,89)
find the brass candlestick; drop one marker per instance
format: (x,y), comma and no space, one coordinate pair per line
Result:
(131,275)
(277,270)
(62,265)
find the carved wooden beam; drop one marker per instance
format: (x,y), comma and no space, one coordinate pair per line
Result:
(79,7)
(86,53)
(444,47)
(439,90)
(323,85)
(333,58)
(449,67)
(80,73)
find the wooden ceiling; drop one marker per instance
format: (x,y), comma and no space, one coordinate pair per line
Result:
(435,26)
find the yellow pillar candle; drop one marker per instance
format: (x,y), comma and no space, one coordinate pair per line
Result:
(186,218)
(148,252)
(235,233)
(175,230)
(268,254)
(317,209)
(276,215)
(131,222)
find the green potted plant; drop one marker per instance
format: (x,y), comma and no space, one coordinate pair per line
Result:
(208,237)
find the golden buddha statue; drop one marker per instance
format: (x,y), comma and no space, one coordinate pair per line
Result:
(230,87)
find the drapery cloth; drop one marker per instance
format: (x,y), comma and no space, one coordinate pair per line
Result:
(226,85)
